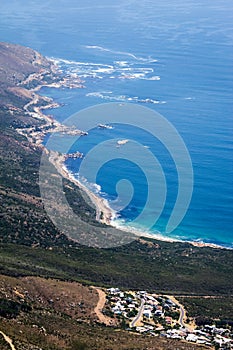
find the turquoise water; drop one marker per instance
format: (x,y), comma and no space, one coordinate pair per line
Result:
(173,57)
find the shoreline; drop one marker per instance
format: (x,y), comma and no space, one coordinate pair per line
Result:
(109,215)
(104,213)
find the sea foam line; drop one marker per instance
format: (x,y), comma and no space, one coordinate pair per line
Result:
(108,95)
(116,70)
(100,48)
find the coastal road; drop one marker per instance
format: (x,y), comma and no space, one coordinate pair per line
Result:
(8,340)
(139,315)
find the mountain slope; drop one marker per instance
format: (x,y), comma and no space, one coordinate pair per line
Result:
(30,244)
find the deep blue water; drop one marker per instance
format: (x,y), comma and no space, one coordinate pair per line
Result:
(179,56)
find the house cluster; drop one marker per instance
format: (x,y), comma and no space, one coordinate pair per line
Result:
(222,337)
(158,309)
(122,303)
(151,306)
(155,315)
(208,335)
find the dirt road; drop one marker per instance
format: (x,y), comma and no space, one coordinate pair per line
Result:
(108,321)
(8,340)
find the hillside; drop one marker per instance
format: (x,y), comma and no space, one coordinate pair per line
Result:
(42,313)
(30,244)
(19,62)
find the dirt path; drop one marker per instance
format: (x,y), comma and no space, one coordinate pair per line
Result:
(99,307)
(8,340)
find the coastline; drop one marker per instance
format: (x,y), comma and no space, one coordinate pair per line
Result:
(104,213)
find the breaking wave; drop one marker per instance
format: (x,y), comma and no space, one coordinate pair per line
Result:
(108,95)
(123,53)
(116,69)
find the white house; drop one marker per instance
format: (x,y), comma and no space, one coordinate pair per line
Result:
(191,337)
(147,313)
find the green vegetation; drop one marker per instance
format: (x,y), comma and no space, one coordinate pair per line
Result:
(62,333)
(3,344)
(152,265)
(136,266)
(209,309)
(173,314)
(11,309)
(30,244)
(78,345)
(23,218)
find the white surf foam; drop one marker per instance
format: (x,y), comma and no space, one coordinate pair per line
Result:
(122,63)
(108,95)
(117,70)
(123,53)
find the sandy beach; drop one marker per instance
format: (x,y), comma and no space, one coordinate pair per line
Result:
(104,213)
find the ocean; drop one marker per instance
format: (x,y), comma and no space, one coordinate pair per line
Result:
(173,57)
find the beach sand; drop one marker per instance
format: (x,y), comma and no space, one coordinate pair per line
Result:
(104,213)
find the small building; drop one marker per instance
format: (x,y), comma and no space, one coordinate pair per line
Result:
(191,337)
(149,297)
(141,329)
(113,291)
(147,313)
(158,313)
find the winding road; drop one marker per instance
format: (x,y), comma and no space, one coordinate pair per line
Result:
(8,340)
(182,314)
